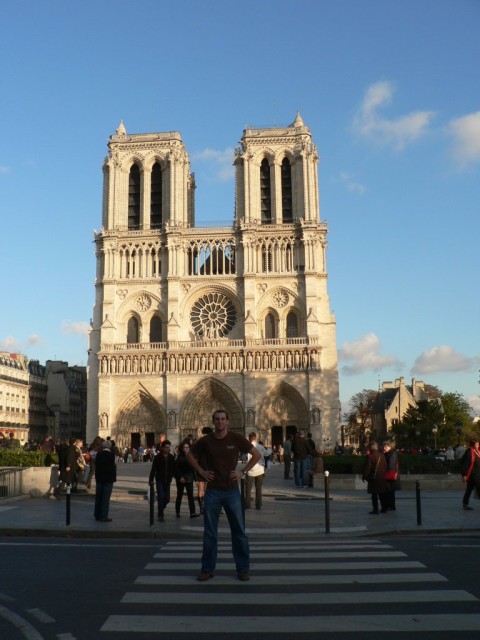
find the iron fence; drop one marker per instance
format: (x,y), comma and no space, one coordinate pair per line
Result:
(10,483)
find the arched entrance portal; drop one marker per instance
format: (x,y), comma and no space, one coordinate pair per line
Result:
(283,412)
(140,421)
(202,401)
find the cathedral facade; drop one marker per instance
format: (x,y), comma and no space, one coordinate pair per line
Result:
(191,319)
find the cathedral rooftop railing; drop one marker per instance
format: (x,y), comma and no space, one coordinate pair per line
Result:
(290,355)
(215,343)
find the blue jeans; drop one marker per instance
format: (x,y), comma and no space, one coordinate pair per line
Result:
(300,473)
(163,496)
(103,491)
(230,500)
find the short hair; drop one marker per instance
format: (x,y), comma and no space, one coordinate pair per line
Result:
(252,436)
(219,411)
(206,430)
(165,443)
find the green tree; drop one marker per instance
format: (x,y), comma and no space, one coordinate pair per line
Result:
(458,425)
(415,429)
(359,417)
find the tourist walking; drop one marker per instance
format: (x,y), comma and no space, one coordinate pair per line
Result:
(220,452)
(255,475)
(374,475)
(392,475)
(300,452)
(162,472)
(105,476)
(184,478)
(470,470)
(287,456)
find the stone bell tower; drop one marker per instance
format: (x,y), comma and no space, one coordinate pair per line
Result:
(189,319)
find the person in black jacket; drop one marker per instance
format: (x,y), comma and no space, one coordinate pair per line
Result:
(392,475)
(184,478)
(162,472)
(105,476)
(300,450)
(470,470)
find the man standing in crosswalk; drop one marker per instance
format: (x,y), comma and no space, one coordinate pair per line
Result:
(220,452)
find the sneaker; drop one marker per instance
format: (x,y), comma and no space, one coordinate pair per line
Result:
(467,508)
(203,576)
(244,576)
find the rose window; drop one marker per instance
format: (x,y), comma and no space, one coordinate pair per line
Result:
(213,316)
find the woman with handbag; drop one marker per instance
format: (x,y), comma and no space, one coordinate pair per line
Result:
(392,475)
(184,478)
(374,474)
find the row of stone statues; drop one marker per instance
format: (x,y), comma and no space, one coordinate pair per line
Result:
(227,362)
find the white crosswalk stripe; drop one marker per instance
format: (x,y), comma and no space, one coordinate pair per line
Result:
(288,589)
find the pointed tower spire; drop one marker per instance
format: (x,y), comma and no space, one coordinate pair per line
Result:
(121,131)
(298,122)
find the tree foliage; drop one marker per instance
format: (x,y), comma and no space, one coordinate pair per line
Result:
(359,417)
(449,415)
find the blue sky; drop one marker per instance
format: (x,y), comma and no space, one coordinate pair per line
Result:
(389,89)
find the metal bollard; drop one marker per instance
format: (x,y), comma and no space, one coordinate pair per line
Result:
(419,502)
(68,503)
(151,503)
(327,501)
(242,495)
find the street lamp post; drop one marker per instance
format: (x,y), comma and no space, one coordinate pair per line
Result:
(417,433)
(458,429)
(435,431)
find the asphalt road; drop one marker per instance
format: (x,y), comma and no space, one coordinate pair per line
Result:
(418,586)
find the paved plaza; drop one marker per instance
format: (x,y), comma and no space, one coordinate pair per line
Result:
(286,512)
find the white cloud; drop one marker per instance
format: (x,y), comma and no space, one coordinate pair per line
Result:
(348,180)
(34,339)
(474,402)
(77,328)
(10,344)
(441,359)
(364,354)
(466,138)
(398,131)
(219,162)
(3,169)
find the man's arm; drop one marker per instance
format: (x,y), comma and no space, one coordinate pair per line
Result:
(203,473)
(256,455)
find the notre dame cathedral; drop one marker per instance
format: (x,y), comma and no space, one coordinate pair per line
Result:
(191,319)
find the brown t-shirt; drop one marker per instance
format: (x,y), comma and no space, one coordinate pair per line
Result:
(220,455)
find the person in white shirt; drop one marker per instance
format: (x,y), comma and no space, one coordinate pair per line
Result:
(255,475)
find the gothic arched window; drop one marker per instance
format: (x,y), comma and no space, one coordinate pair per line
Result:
(287,206)
(265,192)
(132,331)
(155,329)
(292,325)
(269,326)
(134,198)
(156,212)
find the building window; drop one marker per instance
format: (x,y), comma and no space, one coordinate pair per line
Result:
(269,326)
(287,207)
(132,331)
(155,329)
(134,198)
(292,325)
(156,214)
(213,316)
(265,192)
